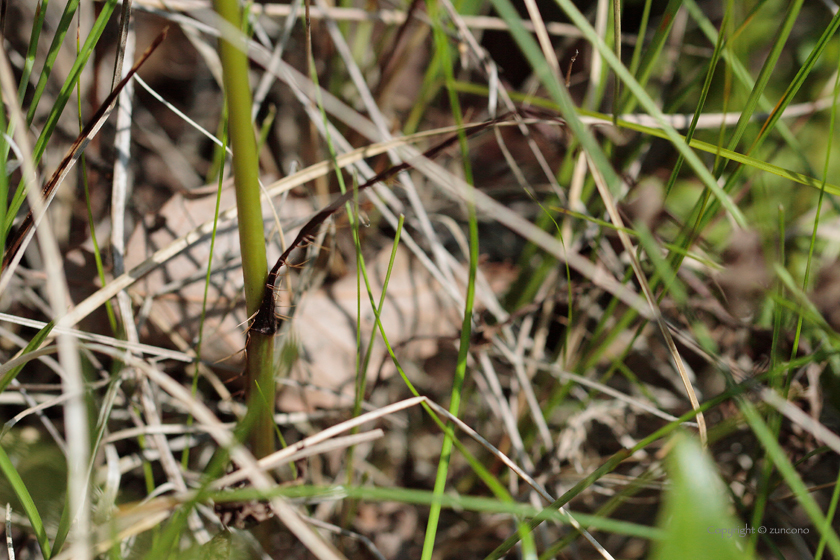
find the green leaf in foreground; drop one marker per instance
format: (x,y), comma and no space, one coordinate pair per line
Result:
(696,513)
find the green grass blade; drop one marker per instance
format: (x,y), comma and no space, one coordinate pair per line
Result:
(612,463)
(451,501)
(763,77)
(443,49)
(776,112)
(33,345)
(185,457)
(652,52)
(738,69)
(488,478)
(738,157)
(61,101)
(98,435)
(798,80)
(794,176)
(640,41)
(813,243)
(696,509)
(665,275)
(362,379)
(29,508)
(701,104)
(560,96)
(788,472)
(829,516)
(97,254)
(58,38)
(32,50)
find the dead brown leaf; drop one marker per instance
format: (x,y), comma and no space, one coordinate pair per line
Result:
(415,314)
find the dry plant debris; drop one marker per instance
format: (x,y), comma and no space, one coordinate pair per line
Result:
(616,291)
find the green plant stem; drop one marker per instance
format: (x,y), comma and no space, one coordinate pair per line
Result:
(261,392)
(442,49)
(220,157)
(259,348)
(97,254)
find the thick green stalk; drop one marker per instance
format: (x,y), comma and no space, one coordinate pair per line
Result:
(259,347)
